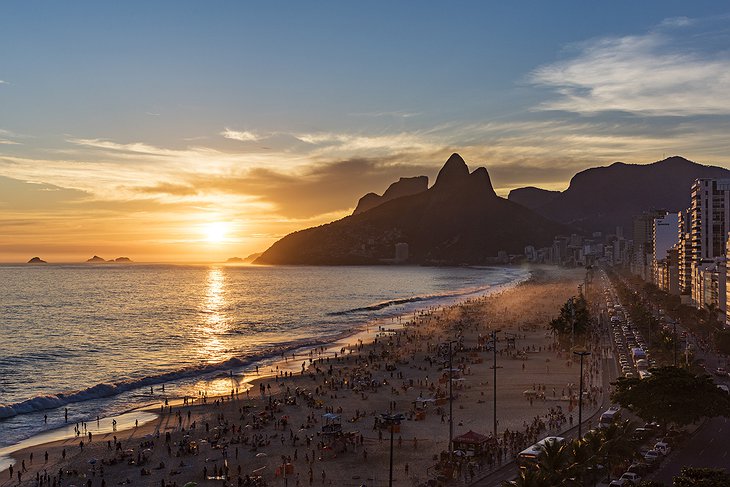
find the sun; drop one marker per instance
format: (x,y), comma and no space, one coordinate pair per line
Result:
(215,232)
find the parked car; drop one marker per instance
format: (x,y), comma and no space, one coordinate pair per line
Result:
(631,477)
(638,468)
(642,433)
(663,448)
(720,371)
(652,456)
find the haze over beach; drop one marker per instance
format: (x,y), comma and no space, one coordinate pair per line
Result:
(421,244)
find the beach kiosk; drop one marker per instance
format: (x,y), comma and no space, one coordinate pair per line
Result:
(471,443)
(332,424)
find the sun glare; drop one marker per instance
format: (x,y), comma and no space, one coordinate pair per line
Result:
(215,232)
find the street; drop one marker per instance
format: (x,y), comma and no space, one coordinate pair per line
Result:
(709,447)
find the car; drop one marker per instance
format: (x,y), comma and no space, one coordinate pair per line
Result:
(638,468)
(631,477)
(618,483)
(651,456)
(663,448)
(720,371)
(642,433)
(629,375)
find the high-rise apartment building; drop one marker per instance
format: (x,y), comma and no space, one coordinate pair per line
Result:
(709,223)
(684,254)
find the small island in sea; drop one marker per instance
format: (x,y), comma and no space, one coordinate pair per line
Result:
(95,259)
(122,260)
(37,260)
(234,260)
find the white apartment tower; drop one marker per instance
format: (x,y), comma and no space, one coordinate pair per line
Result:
(709,224)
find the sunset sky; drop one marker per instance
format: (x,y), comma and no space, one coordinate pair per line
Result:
(196,131)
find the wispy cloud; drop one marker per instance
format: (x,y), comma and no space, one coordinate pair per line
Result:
(243,136)
(3,82)
(662,72)
(387,114)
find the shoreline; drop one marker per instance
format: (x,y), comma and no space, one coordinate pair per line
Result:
(272,365)
(399,368)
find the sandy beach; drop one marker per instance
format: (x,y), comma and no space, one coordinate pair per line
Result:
(314,419)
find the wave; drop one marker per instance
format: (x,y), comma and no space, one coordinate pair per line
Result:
(412,299)
(103,390)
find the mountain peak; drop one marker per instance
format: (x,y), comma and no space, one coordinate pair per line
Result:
(400,188)
(454,170)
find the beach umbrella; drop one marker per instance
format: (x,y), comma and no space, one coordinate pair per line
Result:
(262,454)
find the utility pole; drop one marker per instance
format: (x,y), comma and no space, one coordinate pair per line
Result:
(451,401)
(494,366)
(674,343)
(391,420)
(582,353)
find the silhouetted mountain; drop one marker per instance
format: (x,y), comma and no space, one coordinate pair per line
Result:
(234,260)
(402,187)
(123,260)
(601,198)
(460,220)
(531,197)
(37,260)
(251,257)
(95,259)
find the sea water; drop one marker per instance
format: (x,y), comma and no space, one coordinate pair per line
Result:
(103,339)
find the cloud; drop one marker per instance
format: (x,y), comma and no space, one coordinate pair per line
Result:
(387,114)
(243,136)
(3,82)
(665,72)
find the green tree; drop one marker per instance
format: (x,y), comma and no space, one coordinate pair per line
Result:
(528,478)
(617,444)
(702,477)
(672,396)
(722,340)
(553,461)
(574,318)
(583,455)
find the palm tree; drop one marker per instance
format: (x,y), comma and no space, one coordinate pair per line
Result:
(553,462)
(618,444)
(583,458)
(528,478)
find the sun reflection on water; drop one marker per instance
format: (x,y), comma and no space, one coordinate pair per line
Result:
(215,323)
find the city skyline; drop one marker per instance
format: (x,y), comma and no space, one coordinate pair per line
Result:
(203,132)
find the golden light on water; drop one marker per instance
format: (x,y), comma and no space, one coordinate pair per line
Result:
(214,302)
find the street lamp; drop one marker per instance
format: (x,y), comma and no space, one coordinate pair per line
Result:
(451,400)
(581,353)
(494,366)
(391,420)
(674,343)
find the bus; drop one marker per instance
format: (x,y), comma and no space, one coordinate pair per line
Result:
(528,457)
(609,416)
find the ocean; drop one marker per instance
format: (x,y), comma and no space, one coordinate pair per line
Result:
(105,339)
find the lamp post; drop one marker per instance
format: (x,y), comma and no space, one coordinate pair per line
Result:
(391,420)
(494,380)
(674,343)
(581,353)
(451,400)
